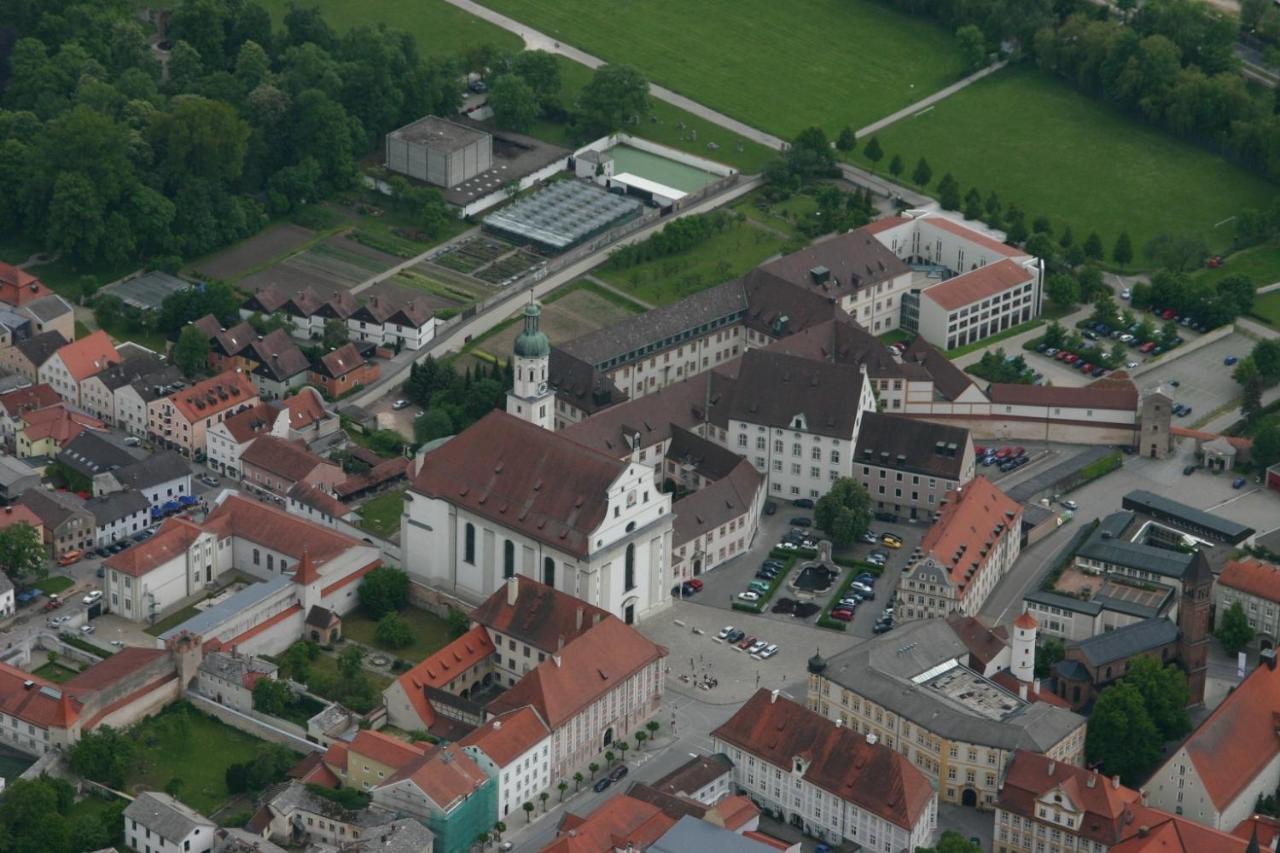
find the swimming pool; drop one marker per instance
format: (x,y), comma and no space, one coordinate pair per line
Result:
(657,168)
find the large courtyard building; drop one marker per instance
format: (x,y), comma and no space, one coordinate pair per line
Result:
(506,498)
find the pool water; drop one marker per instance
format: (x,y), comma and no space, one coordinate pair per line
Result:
(656,168)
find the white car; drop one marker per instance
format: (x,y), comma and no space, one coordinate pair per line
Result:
(1131,364)
(769,651)
(1071,505)
(92,597)
(1126,338)
(758,646)
(400,404)
(725,631)
(749,596)
(1126,293)
(86,629)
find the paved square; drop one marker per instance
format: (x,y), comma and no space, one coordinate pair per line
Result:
(1204,382)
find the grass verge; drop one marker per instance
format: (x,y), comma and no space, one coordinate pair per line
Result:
(430,633)
(759,606)
(381,516)
(53,584)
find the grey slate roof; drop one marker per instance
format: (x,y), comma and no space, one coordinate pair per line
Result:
(1162,507)
(691,835)
(166,817)
(1171,564)
(115,506)
(160,468)
(156,385)
(93,452)
(881,670)
(207,620)
(13,471)
(1127,641)
(1065,602)
(234,667)
(849,262)
(774,388)
(709,459)
(908,444)
(48,308)
(53,508)
(130,370)
(40,348)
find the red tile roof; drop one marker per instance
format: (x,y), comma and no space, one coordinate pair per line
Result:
(313,770)
(306,572)
(622,822)
(57,422)
(507,737)
(1267,827)
(1154,831)
(18,287)
(253,421)
(305,408)
(40,705)
(448,663)
(967,522)
(525,478)
(446,776)
(1116,391)
(113,669)
(1025,621)
(541,615)
(1239,739)
(318,499)
(205,399)
(28,399)
(1253,577)
(340,362)
(1105,804)
(19,514)
(288,460)
(172,540)
(840,761)
(278,530)
(89,356)
(588,668)
(979,284)
(1006,680)
(384,749)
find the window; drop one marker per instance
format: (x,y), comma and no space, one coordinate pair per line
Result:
(469,544)
(508,559)
(549,571)
(629,568)
(257,557)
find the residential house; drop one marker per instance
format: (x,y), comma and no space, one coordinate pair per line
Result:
(228,440)
(94,452)
(26,357)
(273,466)
(159,823)
(118,515)
(137,402)
(75,362)
(1255,586)
(591,525)
(408,324)
(228,678)
(1051,805)
(315,504)
(44,432)
(18,287)
(705,779)
(1217,774)
(67,525)
(228,348)
(831,782)
(98,392)
(183,419)
(946,704)
(309,421)
(645,819)
(279,365)
(50,313)
(440,786)
(974,541)
(514,749)
(343,370)
(294,815)
(160,478)
(16,477)
(15,404)
(908,466)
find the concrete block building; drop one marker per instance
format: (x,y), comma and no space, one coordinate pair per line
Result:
(439,152)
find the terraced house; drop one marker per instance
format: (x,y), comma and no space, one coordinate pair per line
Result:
(184,417)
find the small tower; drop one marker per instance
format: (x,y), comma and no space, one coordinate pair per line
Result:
(1023,663)
(1155,415)
(1193,624)
(530,399)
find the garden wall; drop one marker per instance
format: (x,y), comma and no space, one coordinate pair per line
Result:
(277,731)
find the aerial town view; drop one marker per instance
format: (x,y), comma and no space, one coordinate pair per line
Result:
(640,426)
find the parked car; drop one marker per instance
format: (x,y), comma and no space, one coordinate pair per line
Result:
(1230,360)
(747,642)
(618,773)
(770,507)
(758,646)
(695,583)
(803,503)
(871,537)
(1169,314)
(882,628)
(86,629)
(604,782)
(842,615)
(1147,347)
(70,557)
(801,521)
(1071,505)
(1188,470)
(735,636)
(766,574)
(399,404)
(209,480)
(92,597)
(749,596)
(725,632)
(1126,293)
(759,586)
(1238,483)
(769,651)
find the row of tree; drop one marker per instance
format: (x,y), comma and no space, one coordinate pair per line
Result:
(112,152)
(678,236)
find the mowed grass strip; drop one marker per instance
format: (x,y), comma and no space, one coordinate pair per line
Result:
(441,30)
(779,66)
(1056,152)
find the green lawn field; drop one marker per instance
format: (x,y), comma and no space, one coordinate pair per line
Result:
(1055,152)
(1260,263)
(381,516)
(441,30)
(1267,306)
(430,633)
(780,66)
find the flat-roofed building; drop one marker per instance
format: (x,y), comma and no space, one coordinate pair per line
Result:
(439,151)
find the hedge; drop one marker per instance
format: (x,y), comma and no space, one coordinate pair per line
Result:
(1099,468)
(758,606)
(73,640)
(824,619)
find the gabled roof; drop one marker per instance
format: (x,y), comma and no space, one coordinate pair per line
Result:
(839,265)
(1252,576)
(115,506)
(256,420)
(583,671)
(774,389)
(44,704)
(205,399)
(1104,803)
(166,817)
(154,470)
(840,340)
(694,775)
(654,418)
(53,508)
(171,541)
(912,445)
(541,615)
(305,408)
(976,285)
(15,403)
(18,287)
(38,349)
(58,423)
(340,361)
(130,370)
(984,643)
(838,760)
(526,478)
(89,356)
(279,357)
(715,504)
(48,308)
(971,521)
(278,530)
(1127,641)
(1233,745)
(1161,832)
(949,381)
(318,499)
(234,341)
(1109,392)
(286,459)
(621,822)
(508,736)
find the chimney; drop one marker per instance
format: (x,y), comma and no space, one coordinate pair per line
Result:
(1022,690)
(1091,781)
(773,697)
(1053,765)
(1143,831)
(871,738)
(497,724)
(1115,782)
(513,590)
(579,619)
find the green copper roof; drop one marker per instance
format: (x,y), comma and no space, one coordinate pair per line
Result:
(531,343)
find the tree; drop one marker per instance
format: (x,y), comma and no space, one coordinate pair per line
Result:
(594,768)
(528,811)
(653,726)
(542,798)
(809,156)
(393,632)
(844,512)
(1042,225)
(993,207)
(432,424)
(515,104)
(1251,405)
(922,174)
(384,590)
(615,95)
(847,140)
(1068,239)
(973,46)
(623,746)
(1236,293)
(951,842)
(640,738)
(973,204)
(1121,735)
(1164,693)
(1122,253)
(459,623)
(351,663)
(896,166)
(1266,446)
(609,757)
(499,828)
(541,72)
(483,840)
(1233,629)
(577,781)
(949,193)
(271,696)
(22,554)
(1048,653)
(1093,247)
(104,755)
(30,819)
(873,151)
(1176,252)
(191,353)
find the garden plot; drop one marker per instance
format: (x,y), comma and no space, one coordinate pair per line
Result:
(470,255)
(248,255)
(512,266)
(333,265)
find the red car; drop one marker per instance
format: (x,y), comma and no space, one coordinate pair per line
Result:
(842,615)
(1169,314)
(747,642)
(1062,355)
(979,450)
(695,583)
(1071,358)
(1216,261)
(1147,347)
(1086,367)
(1019,451)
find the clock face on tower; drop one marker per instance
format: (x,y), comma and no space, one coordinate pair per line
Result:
(542,387)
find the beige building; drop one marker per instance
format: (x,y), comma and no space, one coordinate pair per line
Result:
(1255,585)
(908,466)
(182,420)
(933,691)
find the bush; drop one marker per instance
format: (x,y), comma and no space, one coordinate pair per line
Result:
(393,632)
(384,590)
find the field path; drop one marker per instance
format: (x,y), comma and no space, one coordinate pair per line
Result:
(630,297)
(414,261)
(924,104)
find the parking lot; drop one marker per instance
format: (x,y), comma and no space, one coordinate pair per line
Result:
(1204,381)
(722,584)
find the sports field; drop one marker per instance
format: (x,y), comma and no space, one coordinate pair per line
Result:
(1055,152)
(441,30)
(779,66)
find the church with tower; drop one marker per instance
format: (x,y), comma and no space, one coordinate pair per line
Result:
(531,398)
